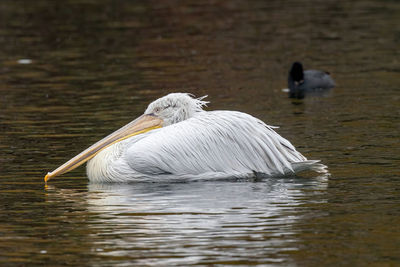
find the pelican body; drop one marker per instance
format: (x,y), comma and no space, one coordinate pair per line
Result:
(177,139)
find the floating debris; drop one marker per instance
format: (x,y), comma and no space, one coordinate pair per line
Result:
(24,61)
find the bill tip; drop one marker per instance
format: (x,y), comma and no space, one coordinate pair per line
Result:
(46,178)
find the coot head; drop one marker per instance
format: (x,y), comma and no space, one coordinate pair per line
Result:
(296,72)
(296,78)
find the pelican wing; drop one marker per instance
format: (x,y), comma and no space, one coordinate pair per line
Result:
(222,143)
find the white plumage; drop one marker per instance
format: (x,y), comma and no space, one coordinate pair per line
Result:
(198,144)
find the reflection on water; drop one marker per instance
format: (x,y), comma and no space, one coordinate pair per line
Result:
(211,222)
(95,65)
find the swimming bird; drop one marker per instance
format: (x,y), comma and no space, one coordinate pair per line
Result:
(302,82)
(176,138)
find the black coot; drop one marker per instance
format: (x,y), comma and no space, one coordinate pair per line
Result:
(302,82)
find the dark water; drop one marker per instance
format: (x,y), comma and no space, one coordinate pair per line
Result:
(95,65)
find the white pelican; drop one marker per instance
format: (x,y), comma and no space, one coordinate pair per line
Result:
(176,138)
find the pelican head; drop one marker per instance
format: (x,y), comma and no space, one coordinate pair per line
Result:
(175,107)
(170,109)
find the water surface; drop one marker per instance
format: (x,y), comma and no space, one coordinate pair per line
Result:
(73,71)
